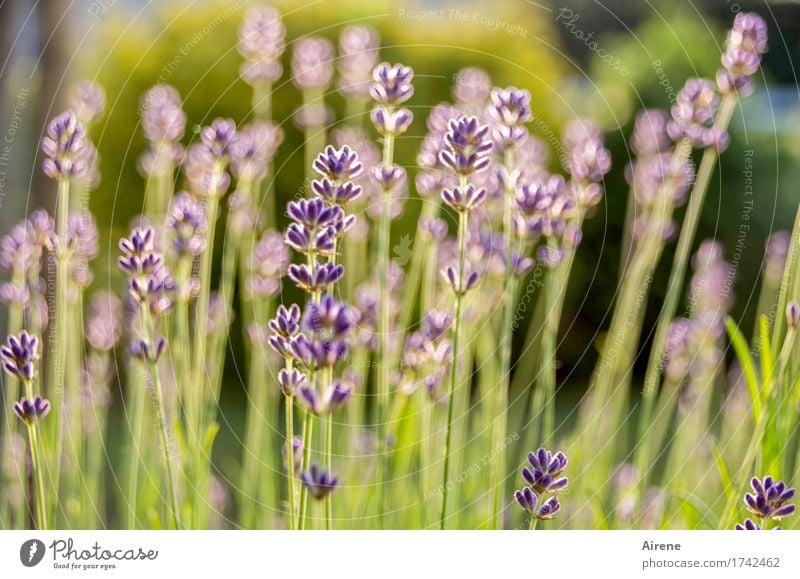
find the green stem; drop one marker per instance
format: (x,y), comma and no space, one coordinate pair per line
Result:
(149,332)
(462,250)
(384,233)
(289,403)
(308,432)
(41,505)
(162,419)
(60,351)
(136,393)
(328,461)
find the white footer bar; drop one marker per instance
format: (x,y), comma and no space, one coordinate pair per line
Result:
(399,554)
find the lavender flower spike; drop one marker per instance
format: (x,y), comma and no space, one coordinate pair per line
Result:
(547,468)
(392,84)
(511,108)
(318,481)
(468,146)
(29,411)
(88,101)
(261,43)
(312,63)
(19,355)
(63,147)
(768,502)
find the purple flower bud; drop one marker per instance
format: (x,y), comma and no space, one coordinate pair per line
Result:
(254,145)
(261,43)
(464,201)
(337,394)
(650,133)
(88,101)
(218,138)
(104,323)
(546,464)
(63,147)
(749,33)
(19,355)
(467,146)
(471,88)
(521,265)
(29,411)
(313,213)
(550,257)
(318,481)
(270,257)
(187,220)
(323,276)
(546,204)
(297,453)
(19,250)
(748,525)
(358,49)
(511,106)
(460,285)
(549,509)
(391,122)
(312,63)
(793,314)
(335,194)
(389,178)
(693,111)
(768,502)
(286,322)
(328,318)
(291,381)
(588,159)
(527,500)
(392,84)
(163,120)
(338,164)
(141,349)
(432,229)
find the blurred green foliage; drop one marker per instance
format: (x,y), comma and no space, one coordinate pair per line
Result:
(194,49)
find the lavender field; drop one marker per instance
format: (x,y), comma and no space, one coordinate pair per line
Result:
(351,304)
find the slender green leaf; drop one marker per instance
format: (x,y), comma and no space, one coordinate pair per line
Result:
(739,343)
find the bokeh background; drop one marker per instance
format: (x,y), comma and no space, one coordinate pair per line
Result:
(604,60)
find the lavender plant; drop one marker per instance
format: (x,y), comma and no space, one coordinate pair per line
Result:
(399,371)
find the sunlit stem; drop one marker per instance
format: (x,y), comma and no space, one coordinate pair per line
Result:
(463,217)
(383,334)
